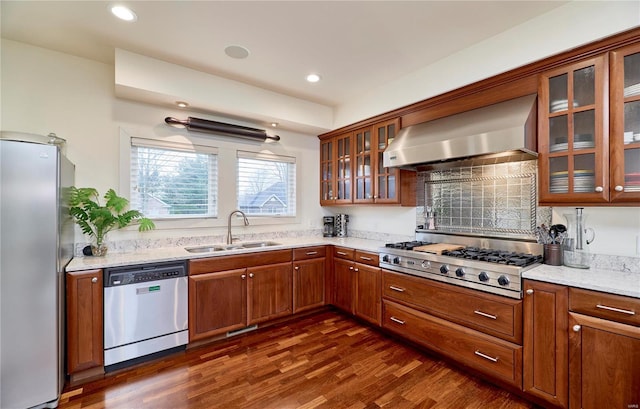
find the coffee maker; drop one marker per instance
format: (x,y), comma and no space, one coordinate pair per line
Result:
(329,226)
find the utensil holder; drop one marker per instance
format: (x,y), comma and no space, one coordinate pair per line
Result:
(552,254)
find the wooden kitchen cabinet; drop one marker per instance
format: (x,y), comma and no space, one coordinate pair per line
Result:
(352,170)
(358,286)
(589,130)
(231,292)
(269,292)
(546,368)
(604,350)
(625,124)
(573,133)
(308,278)
(85,343)
(217,303)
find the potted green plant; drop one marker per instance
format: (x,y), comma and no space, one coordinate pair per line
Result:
(96,220)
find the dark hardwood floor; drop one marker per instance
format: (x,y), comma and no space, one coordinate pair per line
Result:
(325,360)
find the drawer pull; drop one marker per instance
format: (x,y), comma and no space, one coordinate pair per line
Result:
(311,253)
(398,289)
(396,320)
(604,307)
(366,258)
(341,253)
(484,314)
(490,358)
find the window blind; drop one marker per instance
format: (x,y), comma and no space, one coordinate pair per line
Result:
(173,180)
(266,184)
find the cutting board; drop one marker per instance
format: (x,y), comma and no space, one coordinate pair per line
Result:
(438,248)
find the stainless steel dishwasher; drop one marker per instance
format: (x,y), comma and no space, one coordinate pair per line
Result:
(145,312)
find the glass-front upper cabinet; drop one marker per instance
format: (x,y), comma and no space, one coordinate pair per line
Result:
(327,184)
(572,134)
(625,124)
(363,172)
(386,183)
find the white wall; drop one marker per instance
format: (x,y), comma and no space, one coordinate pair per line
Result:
(565,27)
(46,91)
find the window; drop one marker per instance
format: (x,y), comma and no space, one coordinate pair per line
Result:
(266,184)
(173,180)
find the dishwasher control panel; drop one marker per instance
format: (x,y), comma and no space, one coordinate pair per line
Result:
(117,276)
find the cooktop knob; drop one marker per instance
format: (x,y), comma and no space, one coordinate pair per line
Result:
(503,280)
(426,264)
(460,272)
(483,276)
(444,269)
(385,258)
(396,260)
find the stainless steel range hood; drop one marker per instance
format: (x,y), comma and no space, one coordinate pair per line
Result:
(497,133)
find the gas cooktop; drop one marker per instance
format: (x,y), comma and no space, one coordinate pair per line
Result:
(490,265)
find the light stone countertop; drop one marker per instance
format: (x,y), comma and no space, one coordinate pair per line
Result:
(154,255)
(609,281)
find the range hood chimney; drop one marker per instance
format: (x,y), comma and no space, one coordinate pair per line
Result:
(503,132)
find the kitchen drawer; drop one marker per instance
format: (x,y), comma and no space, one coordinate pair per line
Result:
(306,253)
(366,257)
(607,306)
(491,314)
(344,252)
(493,356)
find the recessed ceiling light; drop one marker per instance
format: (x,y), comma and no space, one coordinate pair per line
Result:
(274,124)
(182,104)
(124,13)
(236,51)
(313,78)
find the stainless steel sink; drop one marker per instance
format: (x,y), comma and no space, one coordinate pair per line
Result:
(258,244)
(238,246)
(205,249)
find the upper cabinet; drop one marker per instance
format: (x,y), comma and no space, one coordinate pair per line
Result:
(589,130)
(625,124)
(352,171)
(573,133)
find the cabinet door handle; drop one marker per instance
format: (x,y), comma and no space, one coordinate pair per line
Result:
(296,268)
(366,258)
(94,280)
(614,309)
(356,269)
(340,253)
(529,291)
(398,289)
(396,320)
(311,253)
(243,276)
(490,358)
(350,268)
(618,188)
(484,314)
(250,275)
(576,328)
(599,189)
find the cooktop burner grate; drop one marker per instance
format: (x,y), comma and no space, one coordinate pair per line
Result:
(407,245)
(494,256)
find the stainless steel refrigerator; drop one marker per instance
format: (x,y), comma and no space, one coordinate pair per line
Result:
(36,243)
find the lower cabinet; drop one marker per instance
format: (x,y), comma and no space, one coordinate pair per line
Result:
(217,303)
(358,284)
(604,350)
(84,321)
(546,342)
(496,357)
(230,293)
(308,278)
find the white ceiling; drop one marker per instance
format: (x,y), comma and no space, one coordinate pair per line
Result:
(353,45)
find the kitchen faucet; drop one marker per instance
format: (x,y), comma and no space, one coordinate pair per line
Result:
(246,223)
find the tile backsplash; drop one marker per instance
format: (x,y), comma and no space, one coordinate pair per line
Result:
(497,200)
